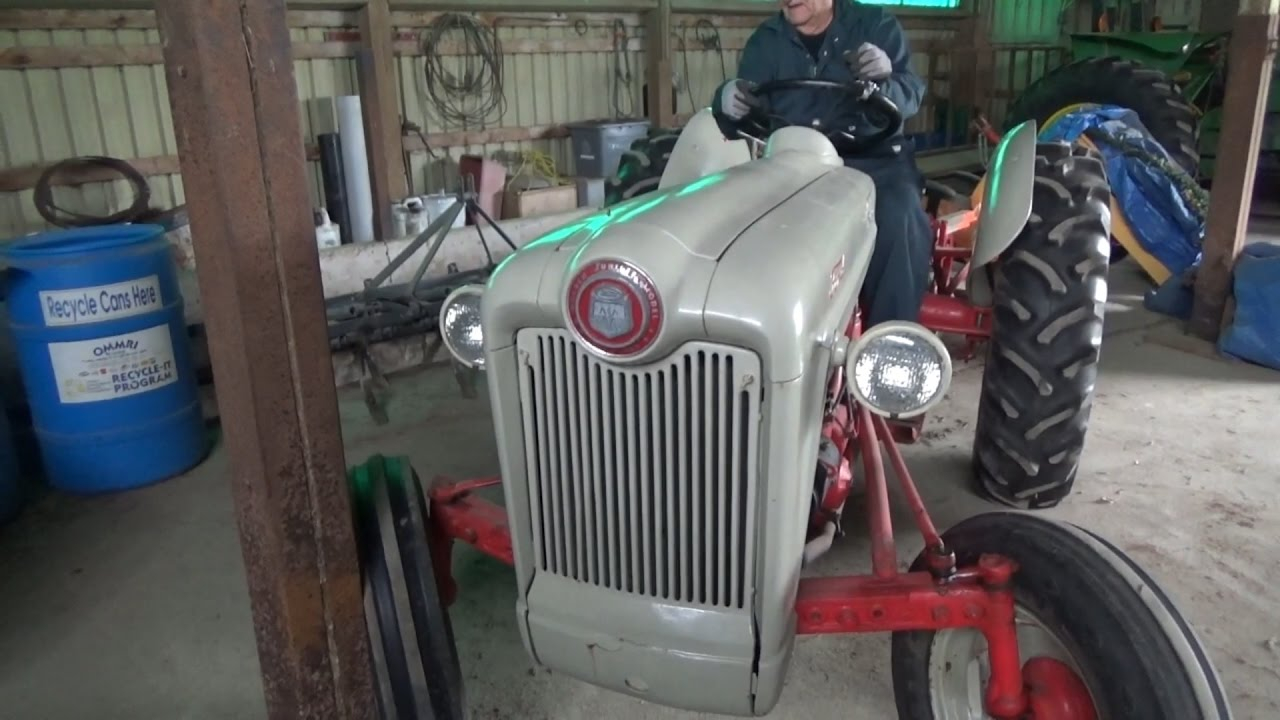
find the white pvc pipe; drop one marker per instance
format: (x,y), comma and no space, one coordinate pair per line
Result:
(355,168)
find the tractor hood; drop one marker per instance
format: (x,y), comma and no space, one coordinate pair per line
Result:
(705,217)
(751,256)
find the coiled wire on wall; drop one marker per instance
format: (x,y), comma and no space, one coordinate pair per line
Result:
(61,217)
(472,95)
(709,40)
(622,78)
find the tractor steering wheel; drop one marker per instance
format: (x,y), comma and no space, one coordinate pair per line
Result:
(863,93)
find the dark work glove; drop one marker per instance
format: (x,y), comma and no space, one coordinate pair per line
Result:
(869,63)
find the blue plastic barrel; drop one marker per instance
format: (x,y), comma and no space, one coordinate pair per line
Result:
(97,316)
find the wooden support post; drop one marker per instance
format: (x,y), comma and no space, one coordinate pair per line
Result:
(1252,55)
(376,70)
(972,63)
(659,67)
(235,113)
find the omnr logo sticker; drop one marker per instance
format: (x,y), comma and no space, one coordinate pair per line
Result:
(113,367)
(116,346)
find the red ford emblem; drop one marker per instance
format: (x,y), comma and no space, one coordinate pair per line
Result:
(614,307)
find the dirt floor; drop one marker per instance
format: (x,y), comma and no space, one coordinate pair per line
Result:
(134,606)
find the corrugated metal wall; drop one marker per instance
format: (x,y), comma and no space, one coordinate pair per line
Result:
(48,115)
(1039,21)
(51,113)
(1029,38)
(123,111)
(542,90)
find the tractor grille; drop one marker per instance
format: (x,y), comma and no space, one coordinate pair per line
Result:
(643,480)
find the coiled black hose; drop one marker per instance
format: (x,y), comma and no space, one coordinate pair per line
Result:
(471,96)
(61,217)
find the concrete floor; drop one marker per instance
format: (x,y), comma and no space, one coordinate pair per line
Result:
(134,606)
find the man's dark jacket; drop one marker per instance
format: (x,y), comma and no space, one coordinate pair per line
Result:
(775,52)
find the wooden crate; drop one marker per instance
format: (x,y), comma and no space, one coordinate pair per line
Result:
(543,201)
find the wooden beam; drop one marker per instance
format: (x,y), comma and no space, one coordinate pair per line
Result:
(56,57)
(341,5)
(235,116)
(1252,57)
(658,73)
(11,19)
(376,70)
(23,58)
(424,18)
(25,177)
(492,136)
(761,8)
(77,19)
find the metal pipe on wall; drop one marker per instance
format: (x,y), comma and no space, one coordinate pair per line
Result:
(355,168)
(335,184)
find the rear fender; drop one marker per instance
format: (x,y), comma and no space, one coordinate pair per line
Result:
(701,151)
(1006,204)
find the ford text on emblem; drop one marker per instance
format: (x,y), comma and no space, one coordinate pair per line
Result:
(614,308)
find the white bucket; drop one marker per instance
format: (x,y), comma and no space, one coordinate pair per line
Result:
(416,217)
(439,203)
(399,220)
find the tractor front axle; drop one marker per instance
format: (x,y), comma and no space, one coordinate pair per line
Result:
(979,598)
(942,597)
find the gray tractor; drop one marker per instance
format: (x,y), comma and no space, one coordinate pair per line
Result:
(684,398)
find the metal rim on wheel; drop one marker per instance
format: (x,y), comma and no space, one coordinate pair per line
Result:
(959,667)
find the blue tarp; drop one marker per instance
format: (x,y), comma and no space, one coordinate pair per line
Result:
(1165,225)
(1254,334)
(1173,231)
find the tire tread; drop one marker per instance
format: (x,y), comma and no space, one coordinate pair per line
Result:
(1046,336)
(1149,92)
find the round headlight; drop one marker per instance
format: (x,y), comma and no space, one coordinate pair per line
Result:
(460,325)
(899,370)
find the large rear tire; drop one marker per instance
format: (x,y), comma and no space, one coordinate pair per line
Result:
(1149,92)
(641,167)
(1081,603)
(414,653)
(1050,291)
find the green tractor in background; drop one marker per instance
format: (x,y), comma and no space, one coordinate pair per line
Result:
(1174,80)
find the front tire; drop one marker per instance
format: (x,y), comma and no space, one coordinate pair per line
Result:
(1050,291)
(415,655)
(1138,657)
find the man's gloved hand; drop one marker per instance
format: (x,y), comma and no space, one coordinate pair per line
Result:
(737,99)
(869,63)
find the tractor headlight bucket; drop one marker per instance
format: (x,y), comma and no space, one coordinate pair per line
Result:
(460,327)
(898,370)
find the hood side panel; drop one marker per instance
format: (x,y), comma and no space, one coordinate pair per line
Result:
(791,281)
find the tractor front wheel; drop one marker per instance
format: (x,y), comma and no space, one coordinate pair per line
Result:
(1050,291)
(1098,638)
(414,654)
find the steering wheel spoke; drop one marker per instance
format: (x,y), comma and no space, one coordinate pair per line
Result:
(865,95)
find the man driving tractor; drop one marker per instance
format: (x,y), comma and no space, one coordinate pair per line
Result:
(844,40)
